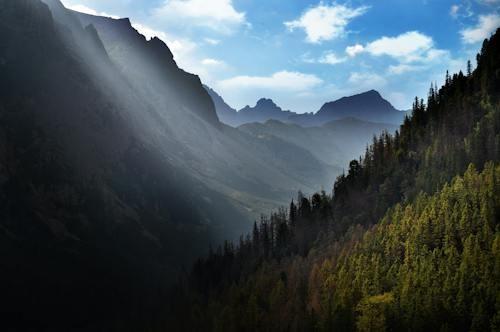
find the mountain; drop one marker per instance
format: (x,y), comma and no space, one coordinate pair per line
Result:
(409,240)
(216,153)
(89,209)
(334,143)
(369,106)
(115,172)
(264,110)
(226,113)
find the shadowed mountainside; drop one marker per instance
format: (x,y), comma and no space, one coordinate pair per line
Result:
(112,160)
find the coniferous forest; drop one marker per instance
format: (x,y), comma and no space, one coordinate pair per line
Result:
(409,239)
(133,197)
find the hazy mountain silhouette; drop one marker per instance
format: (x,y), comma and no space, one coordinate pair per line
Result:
(264,110)
(226,113)
(334,143)
(368,106)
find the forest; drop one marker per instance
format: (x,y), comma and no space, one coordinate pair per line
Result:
(409,238)
(127,203)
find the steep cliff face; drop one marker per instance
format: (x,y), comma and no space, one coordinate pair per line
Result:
(142,60)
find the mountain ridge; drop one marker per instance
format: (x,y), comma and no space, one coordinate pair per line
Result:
(368,106)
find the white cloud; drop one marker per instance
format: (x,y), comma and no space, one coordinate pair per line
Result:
(218,15)
(402,68)
(331,59)
(354,50)
(87,10)
(454,10)
(283,81)
(462,10)
(408,47)
(149,32)
(364,81)
(487,24)
(325,22)
(212,62)
(435,55)
(328,58)
(212,41)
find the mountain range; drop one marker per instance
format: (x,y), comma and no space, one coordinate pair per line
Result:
(334,143)
(112,159)
(368,106)
(118,169)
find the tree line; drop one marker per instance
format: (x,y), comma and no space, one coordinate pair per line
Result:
(407,240)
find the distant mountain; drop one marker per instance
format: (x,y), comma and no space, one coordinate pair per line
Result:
(265,109)
(226,113)
(335,143)
(369,106)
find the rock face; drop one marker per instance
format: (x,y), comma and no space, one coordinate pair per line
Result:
(142,60)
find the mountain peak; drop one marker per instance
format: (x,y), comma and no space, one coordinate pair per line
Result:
(368,106)
(266,102)
(371,92)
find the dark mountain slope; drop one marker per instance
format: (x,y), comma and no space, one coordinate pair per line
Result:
(151,61)
(115,172)
(88,211)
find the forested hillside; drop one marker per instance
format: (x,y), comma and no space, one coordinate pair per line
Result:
(408,240)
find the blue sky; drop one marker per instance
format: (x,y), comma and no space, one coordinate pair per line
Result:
(302,53)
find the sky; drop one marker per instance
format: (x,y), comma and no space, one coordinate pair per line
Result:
(303,53)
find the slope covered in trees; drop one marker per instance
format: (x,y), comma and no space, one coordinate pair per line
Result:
(409,240)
